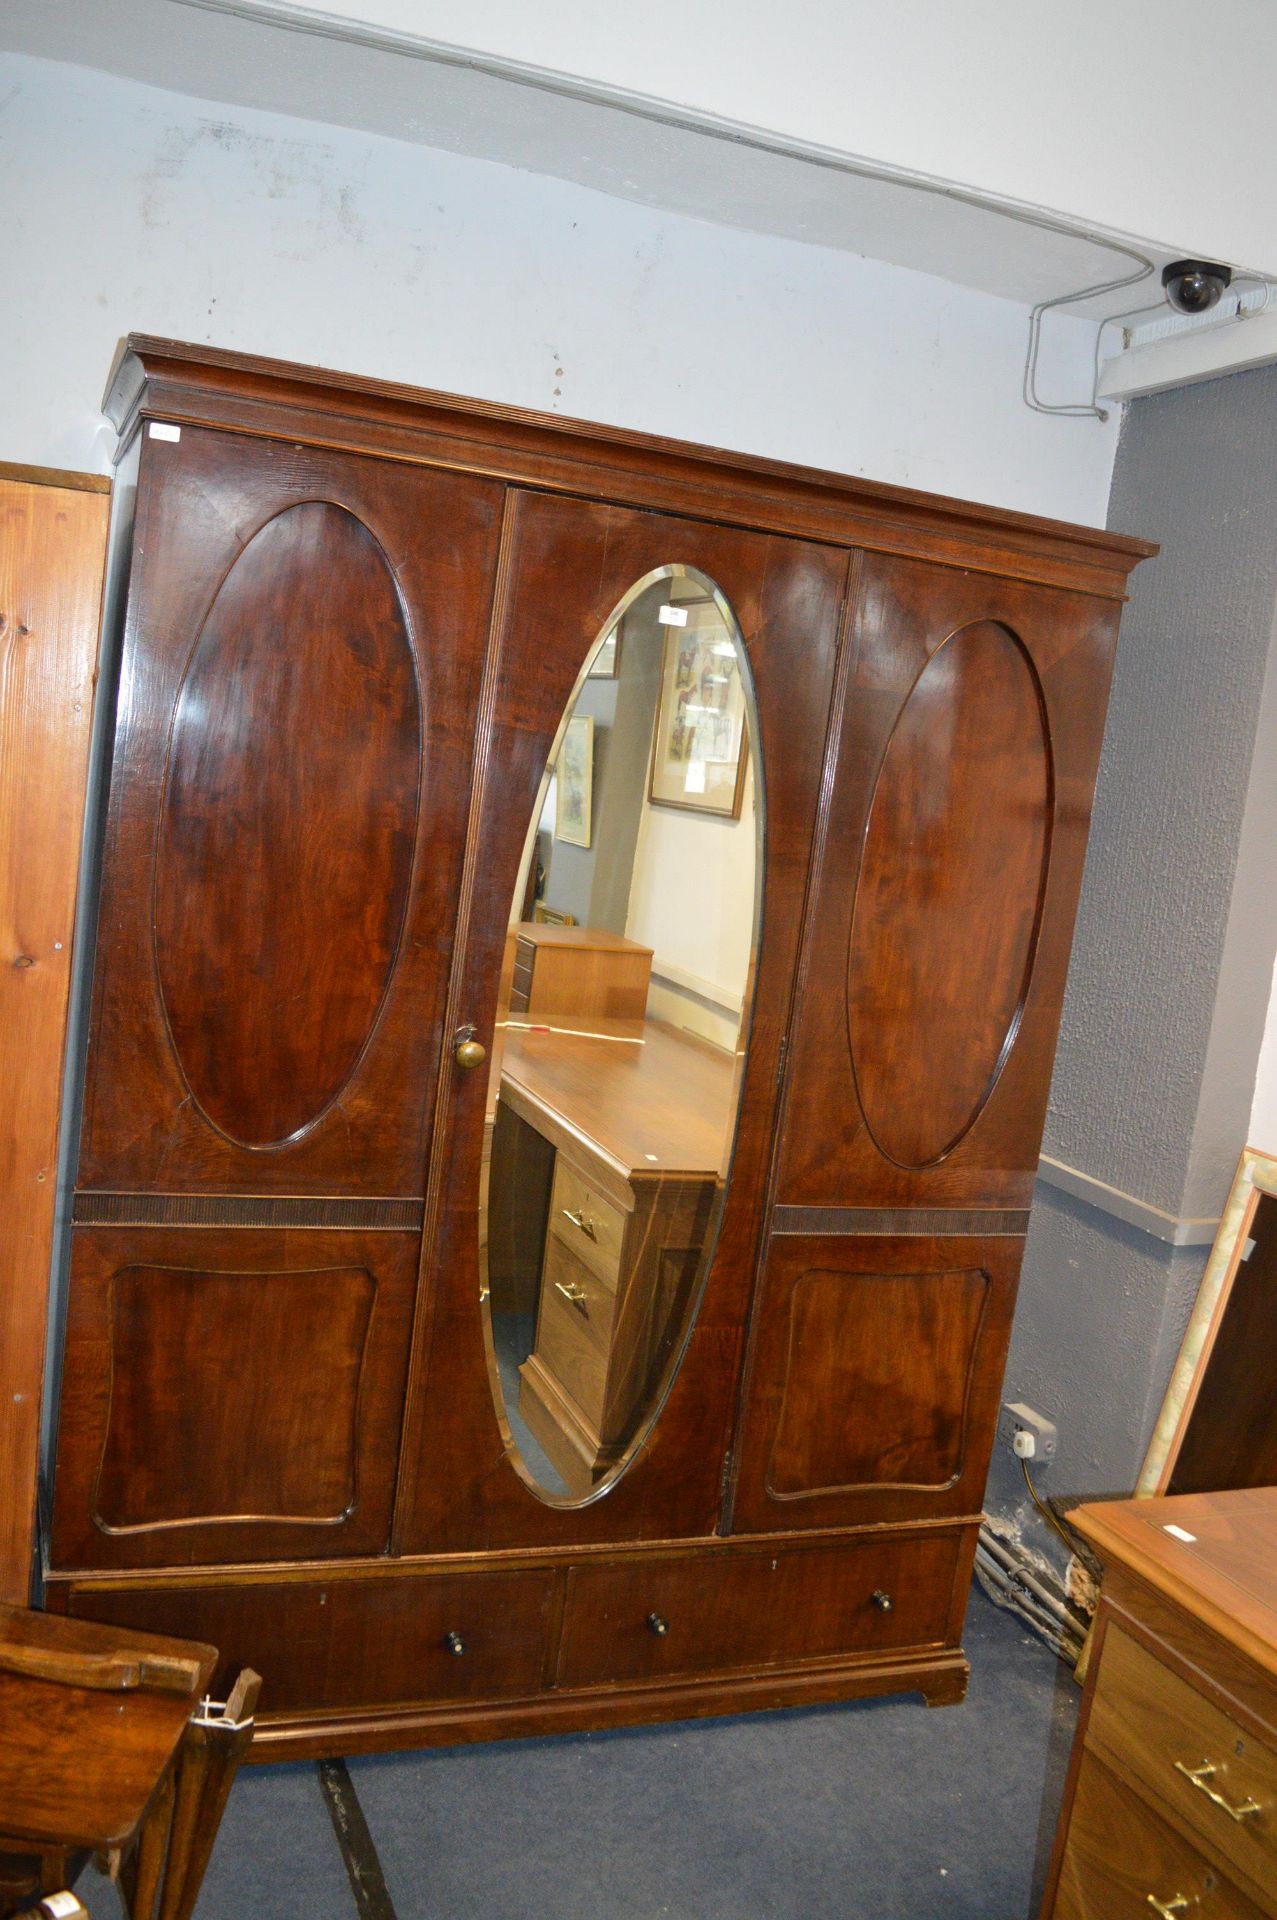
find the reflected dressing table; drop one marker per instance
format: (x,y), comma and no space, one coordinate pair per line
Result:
(635,1113)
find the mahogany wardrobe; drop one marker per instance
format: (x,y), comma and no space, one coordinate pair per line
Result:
(764,1253)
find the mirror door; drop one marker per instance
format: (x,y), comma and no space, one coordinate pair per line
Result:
(654,722)
(621,1032)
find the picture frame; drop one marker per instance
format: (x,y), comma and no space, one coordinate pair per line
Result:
(1222,1366)
(574,782)
(700,739)
(606,664)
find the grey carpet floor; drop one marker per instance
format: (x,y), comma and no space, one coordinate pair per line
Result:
(876,1811)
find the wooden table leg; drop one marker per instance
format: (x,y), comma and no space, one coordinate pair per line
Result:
(143,1872)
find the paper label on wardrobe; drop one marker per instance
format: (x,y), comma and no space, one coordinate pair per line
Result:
(164,430)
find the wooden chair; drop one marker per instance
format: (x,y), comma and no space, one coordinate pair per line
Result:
(109,1746)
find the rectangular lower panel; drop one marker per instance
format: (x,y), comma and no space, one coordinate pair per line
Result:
(230,1394)
(873,1382)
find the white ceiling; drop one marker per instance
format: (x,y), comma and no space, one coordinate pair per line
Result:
(234,52)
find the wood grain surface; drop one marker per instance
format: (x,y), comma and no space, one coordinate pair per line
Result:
(1223,1572)
(52,551)
(230,1393)
(245,981)
(876,1371)
(79,1763)
(649,1099)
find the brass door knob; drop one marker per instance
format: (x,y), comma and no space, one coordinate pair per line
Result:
(466,1050)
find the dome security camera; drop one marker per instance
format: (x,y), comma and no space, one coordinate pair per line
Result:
(1194,286)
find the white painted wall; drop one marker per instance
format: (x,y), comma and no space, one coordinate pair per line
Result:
(1135,115)
(692,902)
(124,207)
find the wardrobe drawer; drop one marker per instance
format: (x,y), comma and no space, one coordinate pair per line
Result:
(360,1642)
(732,1608)
(1165,1731)
(587,1223)
(1124,1863)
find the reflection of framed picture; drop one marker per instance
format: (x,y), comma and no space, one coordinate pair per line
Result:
(699,745)
(574,782)
(606,664)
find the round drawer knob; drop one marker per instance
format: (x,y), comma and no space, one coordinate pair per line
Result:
(471,1053)
(454,1643)
(882,1600)
(658,1625)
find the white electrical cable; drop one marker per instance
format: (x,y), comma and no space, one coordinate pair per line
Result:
(1091,410)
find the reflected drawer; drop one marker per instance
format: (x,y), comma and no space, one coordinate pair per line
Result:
(574,1331)
(744,1608)
(580,1216)
(1124,1863)
(1164,1730)
(336,1644)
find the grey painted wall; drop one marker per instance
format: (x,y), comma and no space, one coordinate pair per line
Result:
(1197,471)
(1176,930)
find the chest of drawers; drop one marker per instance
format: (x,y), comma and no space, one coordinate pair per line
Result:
(1171,1801)
(585,972)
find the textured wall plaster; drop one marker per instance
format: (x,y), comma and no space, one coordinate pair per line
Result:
(1173,955)
(1102,1310)
(1197,471)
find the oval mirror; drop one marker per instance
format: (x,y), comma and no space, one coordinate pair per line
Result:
(622,1022)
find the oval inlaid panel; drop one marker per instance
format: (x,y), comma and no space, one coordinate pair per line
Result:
(285,844)
(945,924)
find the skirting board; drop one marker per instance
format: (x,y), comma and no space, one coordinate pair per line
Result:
(1190,1231)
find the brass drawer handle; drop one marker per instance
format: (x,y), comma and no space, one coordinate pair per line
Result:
(658,1625)
(882,1601)
(575,1296)
(454,1643)
(1169,1908)
(1198,1776)
(579,1220)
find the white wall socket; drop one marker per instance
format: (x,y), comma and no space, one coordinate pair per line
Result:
(1015,1417)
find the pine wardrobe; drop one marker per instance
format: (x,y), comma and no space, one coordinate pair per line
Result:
(474,1371)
